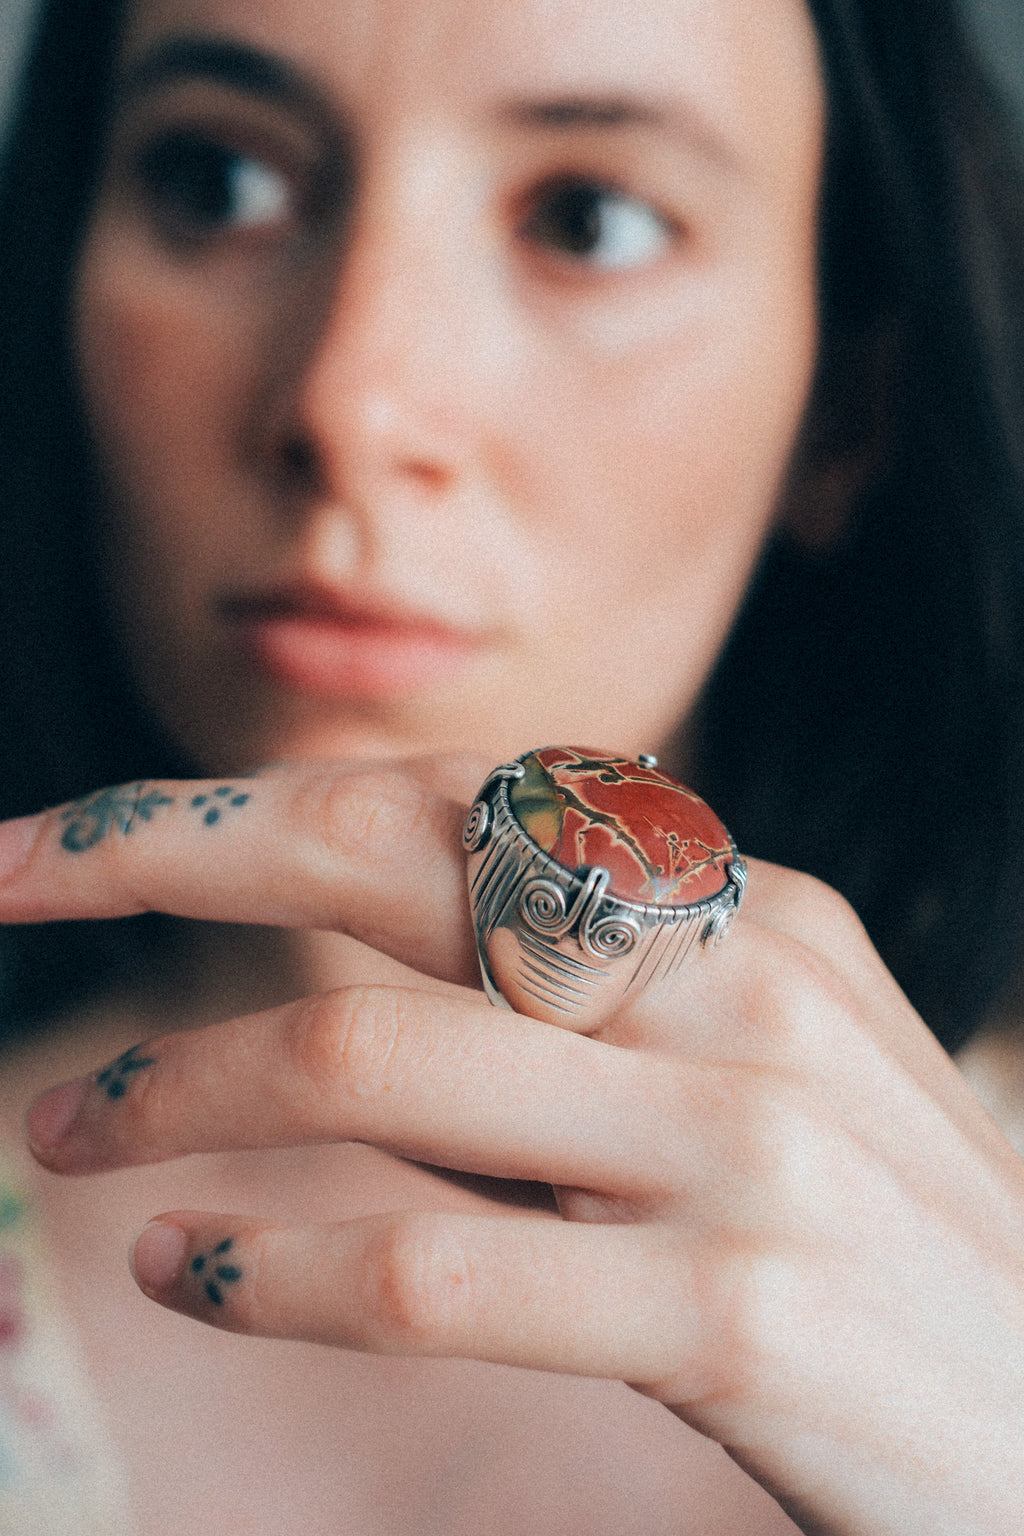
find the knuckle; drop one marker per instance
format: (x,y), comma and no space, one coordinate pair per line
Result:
(762,1141)
(801,978)
(794,888)
(760,1315)
(360,813)
(101,826)
(122,868)
(352,1039)
(763,1304)
(812,907)
(791,994)
(769,1273)
(417,1274)
(783,1148)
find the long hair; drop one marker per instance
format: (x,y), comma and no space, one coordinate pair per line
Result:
(864,720)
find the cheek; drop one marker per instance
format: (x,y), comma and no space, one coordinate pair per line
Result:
(162,379)
(161,376)
(669,469)
(680,412)
(665,470)
(131,350)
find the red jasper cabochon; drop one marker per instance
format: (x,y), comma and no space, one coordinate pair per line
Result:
(658,841)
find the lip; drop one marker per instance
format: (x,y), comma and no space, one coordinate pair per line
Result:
(335,646)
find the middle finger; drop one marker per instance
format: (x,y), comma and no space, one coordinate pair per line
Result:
(440,1079)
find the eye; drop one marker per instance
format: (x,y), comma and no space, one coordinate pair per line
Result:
(597,224)
(197,188)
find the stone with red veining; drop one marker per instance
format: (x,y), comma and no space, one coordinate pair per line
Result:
(657,839)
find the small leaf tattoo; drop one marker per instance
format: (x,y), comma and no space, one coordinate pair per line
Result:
(215,1272)
(214,805)
(117,1077)
(120,809)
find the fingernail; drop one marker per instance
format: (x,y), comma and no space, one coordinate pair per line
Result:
(52,1116)
(159,1255)
(17,839)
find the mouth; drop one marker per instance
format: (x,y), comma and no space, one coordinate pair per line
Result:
(332,646)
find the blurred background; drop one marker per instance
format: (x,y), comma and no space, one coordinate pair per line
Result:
(1000,27)
(15,20)
(999,23)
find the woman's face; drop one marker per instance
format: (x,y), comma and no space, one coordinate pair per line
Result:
(445,359)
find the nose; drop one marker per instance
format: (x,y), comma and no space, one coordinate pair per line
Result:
(373,409)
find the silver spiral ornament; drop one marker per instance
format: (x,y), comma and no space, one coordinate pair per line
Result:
(610,938)
(718,925)
(478,827)
(724,911)
(542,907)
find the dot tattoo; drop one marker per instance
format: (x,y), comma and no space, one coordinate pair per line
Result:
(118,809)
(215,1272)
(214,805)
(116,1078)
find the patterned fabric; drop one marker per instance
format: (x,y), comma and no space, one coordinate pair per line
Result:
(58,1474)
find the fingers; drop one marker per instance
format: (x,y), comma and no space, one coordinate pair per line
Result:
(370,851)
(592,1300)
(439,1079)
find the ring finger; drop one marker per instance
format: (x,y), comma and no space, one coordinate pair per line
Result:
(596,1300)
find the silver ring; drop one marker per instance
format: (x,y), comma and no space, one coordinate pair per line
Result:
(590,875)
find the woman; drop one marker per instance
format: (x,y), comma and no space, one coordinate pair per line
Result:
(379,320)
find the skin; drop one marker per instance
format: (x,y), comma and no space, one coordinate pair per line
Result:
(786,1219)
(458,385)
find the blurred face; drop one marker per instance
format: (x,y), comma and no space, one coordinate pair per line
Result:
(445,359)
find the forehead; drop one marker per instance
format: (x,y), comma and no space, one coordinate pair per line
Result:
(748,68)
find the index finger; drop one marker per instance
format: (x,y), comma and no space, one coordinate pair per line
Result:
(373,851)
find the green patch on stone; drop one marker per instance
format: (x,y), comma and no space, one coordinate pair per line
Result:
(12,1209)
(537,804)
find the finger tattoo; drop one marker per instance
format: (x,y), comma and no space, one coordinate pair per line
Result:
(214,1270)
(116,1079)
(214,805)
(118,809)
(125,807)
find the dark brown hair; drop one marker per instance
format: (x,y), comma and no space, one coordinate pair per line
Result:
(864,722)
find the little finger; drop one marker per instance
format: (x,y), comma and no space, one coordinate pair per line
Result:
(592,1300)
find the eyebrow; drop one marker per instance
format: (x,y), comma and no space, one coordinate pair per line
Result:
(223,62)
(255,73)
(611,112)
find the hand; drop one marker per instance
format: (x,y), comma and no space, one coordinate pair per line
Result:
(787,1218)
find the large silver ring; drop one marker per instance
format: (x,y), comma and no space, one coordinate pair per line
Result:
(591,875)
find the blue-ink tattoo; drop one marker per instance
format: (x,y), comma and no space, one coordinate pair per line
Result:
(120,808)
(116,1078)
(216,1272)
(213,806)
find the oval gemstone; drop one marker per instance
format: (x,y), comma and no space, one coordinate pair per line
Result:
(658,841)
